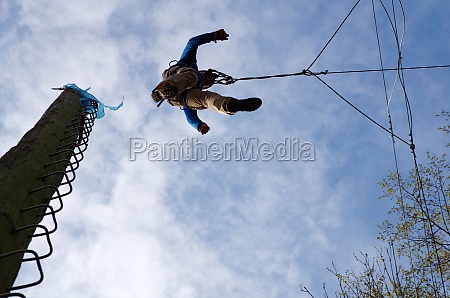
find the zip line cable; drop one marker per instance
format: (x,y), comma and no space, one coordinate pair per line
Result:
(334,34)
(394,149)
(307,72)
(362,113)
(388,69)
(433,226)
(224,79)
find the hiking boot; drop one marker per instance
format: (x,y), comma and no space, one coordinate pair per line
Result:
(245,105)
(163,91)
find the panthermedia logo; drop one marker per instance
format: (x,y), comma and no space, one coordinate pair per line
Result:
(240,149)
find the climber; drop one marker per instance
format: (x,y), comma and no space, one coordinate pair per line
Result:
(183,86)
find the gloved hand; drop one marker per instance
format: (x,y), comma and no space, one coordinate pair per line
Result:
(208,78)
(203,128)
(221,35)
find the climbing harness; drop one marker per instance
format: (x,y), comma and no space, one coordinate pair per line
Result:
(225,79)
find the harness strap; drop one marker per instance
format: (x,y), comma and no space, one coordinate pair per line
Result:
(160,103)
(181,100)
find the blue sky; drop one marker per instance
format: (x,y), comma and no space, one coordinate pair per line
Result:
(220,228)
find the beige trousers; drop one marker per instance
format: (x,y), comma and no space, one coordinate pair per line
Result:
(185,78)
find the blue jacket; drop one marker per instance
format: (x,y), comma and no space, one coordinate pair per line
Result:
(189,58)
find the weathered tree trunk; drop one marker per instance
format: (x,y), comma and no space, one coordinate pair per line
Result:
(25,168)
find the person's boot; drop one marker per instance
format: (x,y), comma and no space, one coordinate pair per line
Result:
(246,105)
(163,91)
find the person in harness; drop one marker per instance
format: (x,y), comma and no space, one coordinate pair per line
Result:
(184,86)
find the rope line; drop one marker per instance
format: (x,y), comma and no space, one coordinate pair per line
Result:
(394,149)
(388,69)
(362,113)
(224,79)
(432,225)
(334,34)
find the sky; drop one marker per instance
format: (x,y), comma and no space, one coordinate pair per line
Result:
(222,225)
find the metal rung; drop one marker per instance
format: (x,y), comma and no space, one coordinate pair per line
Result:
(47,236)
(38,264)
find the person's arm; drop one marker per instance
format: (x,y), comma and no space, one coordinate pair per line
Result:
(195,122)
(189,55)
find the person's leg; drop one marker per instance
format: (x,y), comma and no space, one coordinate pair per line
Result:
(199,100)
